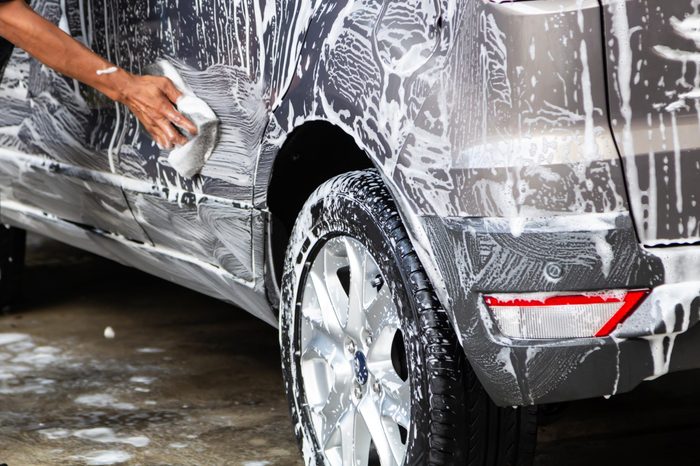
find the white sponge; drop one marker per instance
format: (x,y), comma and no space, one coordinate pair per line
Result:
(189,159)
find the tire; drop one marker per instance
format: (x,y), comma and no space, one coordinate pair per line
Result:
(451,419)
(497,436)
(12,246)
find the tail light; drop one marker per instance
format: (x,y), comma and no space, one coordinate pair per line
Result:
(546,316)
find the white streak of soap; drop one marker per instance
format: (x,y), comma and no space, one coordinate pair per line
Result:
(688,28)
(605,252)
(590,146)
(505,361)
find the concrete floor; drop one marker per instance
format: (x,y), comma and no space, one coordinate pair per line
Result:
(189,380)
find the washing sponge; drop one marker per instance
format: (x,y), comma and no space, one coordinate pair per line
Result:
(189,159)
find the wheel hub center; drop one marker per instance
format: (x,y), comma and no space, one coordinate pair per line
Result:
(360,364)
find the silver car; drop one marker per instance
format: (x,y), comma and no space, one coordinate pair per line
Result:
(453,210)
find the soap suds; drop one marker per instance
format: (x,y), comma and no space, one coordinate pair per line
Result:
(104,457)
(107,435)
(142,380)
(101,400)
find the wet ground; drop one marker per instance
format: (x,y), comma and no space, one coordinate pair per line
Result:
(188,380)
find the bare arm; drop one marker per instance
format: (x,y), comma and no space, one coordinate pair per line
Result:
(150,98)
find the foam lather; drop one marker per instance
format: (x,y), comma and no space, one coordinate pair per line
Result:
(189,159)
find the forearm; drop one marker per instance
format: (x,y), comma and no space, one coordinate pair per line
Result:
(150,98)
(47,43)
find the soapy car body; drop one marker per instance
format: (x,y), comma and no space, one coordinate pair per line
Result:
(530,147)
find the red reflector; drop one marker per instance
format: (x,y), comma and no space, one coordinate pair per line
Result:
(563,315)
(631,301)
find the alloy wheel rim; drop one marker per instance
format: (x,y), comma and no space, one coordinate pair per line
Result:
(353,361)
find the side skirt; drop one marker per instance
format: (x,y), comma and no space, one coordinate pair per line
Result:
(165,263)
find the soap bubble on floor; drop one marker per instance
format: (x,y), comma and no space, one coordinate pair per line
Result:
(21,360)
(103,400)
(103,457)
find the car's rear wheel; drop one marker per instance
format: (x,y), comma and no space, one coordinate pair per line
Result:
(12,245)
(373,370)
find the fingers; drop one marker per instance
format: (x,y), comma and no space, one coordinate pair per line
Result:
(157,137)
(175,117)
(169,89)
(178,119)
(151,99)
(161,137)
(173,136)
(162,132)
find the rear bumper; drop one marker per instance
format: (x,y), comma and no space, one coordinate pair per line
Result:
(568,253)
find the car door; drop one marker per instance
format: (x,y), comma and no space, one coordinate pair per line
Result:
(58,139)
(234,56)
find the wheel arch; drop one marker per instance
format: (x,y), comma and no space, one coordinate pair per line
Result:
(302,164)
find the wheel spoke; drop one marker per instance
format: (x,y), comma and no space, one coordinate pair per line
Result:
(334,261)
(379,354)
(329,314)
(323,345)
(322,362)
(379,360)
(386,438)
(397,404)
(382,311)
(315,367)
(354,440)
(337,406)
(357,259)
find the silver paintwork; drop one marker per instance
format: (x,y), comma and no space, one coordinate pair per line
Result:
(348,412)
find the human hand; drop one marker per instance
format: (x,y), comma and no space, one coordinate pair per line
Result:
(152,100)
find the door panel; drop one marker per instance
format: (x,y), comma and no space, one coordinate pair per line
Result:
(58,140)
(238,57)
(654,77)
(178,215)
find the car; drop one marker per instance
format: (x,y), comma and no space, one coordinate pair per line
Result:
(453,211)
